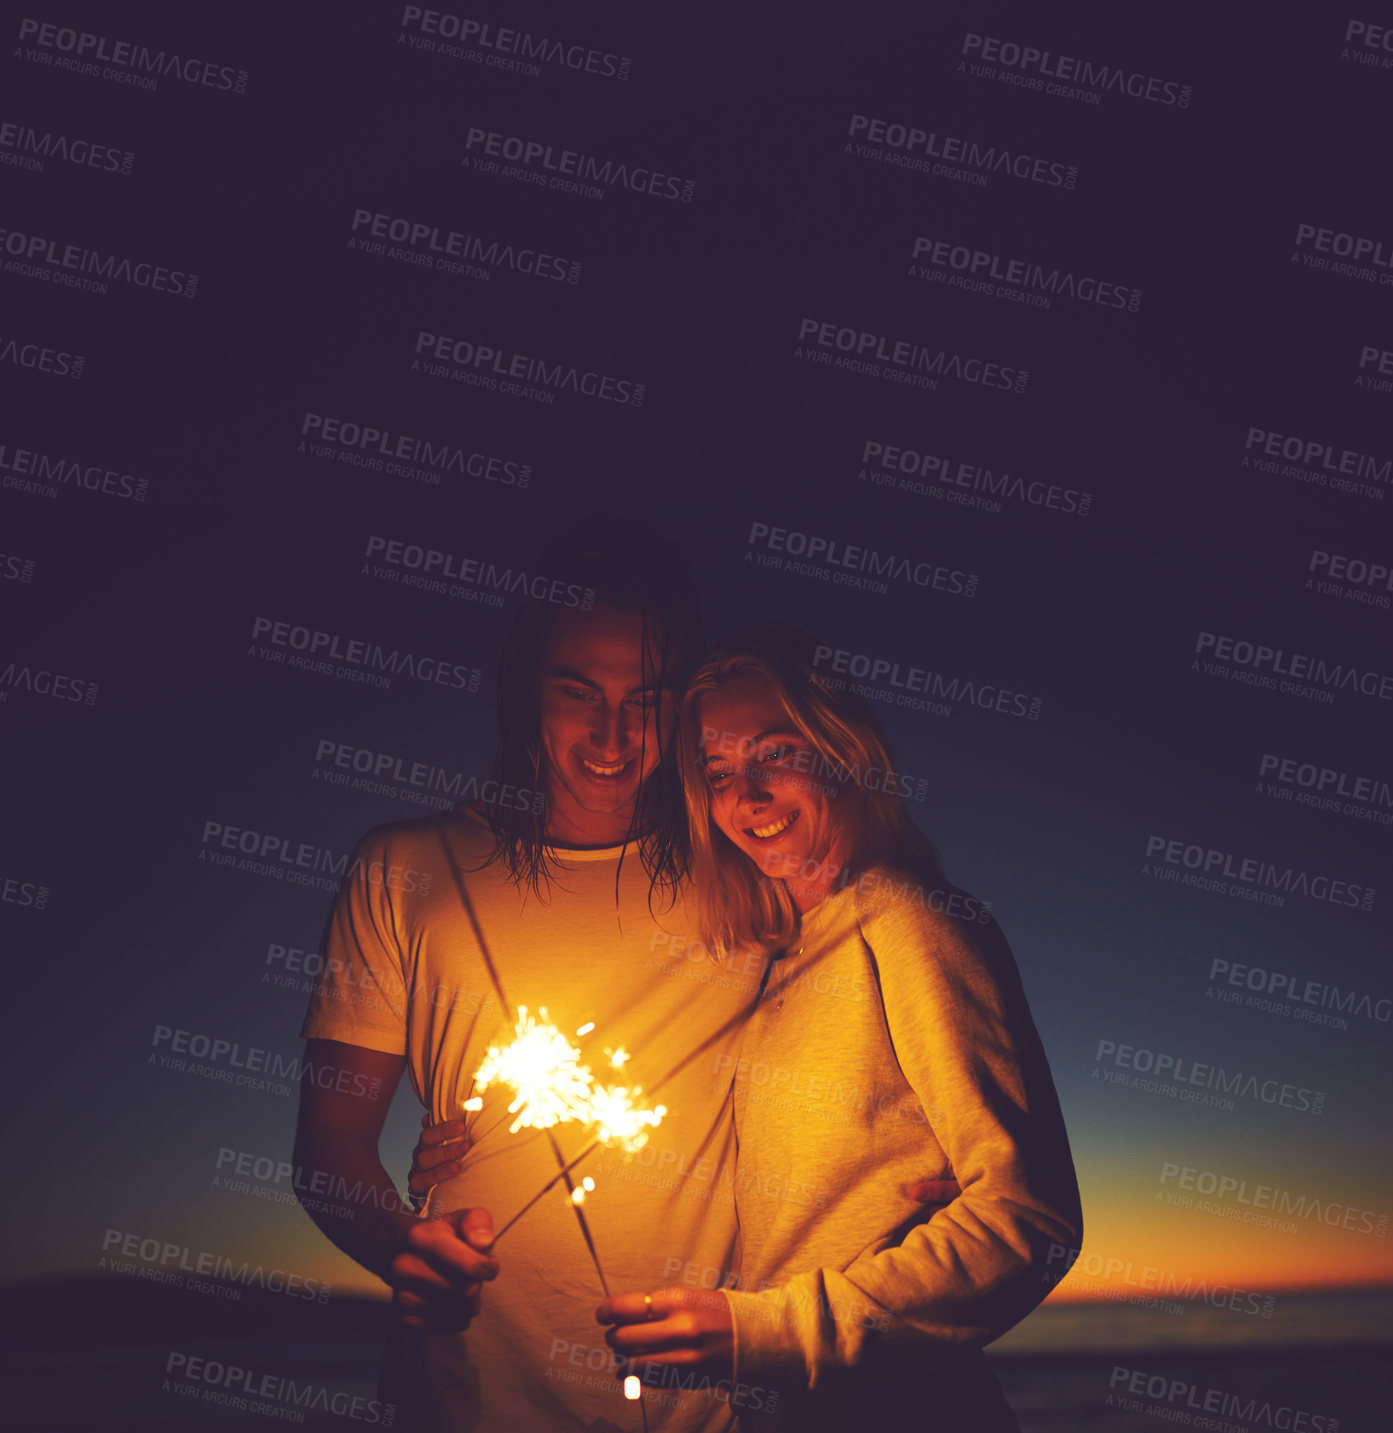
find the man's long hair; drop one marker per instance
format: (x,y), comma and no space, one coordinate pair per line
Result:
(625,565)
(738,905)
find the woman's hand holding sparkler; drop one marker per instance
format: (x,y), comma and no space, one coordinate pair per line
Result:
(682,1328)
(438,1276)
(692,1329)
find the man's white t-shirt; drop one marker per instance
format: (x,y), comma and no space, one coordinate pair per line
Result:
(404,974)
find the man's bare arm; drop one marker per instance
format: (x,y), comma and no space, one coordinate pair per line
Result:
(436,1267)
(339,1127)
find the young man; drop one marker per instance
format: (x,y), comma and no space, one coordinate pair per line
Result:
(567,892)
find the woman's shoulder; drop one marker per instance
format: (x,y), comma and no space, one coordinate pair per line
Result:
(916,920)
(922,898)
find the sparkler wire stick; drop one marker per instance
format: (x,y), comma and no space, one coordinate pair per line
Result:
(584,1227)
(548,1186)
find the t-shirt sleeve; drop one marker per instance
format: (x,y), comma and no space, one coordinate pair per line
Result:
(962,1034)
(360,995)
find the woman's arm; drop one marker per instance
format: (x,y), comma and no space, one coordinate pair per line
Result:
(962,1033)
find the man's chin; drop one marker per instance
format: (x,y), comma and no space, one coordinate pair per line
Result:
(599,801)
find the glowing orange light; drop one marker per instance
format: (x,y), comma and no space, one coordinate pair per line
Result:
(551,1085)
(544,1069)
(621,1121)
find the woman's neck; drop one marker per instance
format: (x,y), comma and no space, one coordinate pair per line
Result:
(831,874)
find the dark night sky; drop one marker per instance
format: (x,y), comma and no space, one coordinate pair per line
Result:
(1098,617)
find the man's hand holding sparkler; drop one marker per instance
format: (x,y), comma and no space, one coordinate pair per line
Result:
(682,1328)
(438,1276)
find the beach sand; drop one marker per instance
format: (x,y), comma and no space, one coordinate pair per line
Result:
(102,1356)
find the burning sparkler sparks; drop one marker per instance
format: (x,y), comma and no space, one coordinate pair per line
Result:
(551,1085)
(544,1070)
(619,1120)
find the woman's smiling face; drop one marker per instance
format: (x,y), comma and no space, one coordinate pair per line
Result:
(760,773)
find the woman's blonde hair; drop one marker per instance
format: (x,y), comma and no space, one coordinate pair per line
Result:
(738,905)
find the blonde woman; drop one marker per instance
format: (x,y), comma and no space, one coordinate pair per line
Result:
(892,1039)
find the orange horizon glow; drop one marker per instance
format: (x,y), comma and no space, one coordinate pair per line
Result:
(1136,1248)
(1151,1249)
(367,1285)
(1062,1294)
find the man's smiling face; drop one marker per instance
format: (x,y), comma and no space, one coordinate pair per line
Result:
(599,724)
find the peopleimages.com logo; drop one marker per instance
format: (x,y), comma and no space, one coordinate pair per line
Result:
(123,61)
(848,560)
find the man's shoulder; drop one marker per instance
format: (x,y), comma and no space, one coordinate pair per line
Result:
(461,833)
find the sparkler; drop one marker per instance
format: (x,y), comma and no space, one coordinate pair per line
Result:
(616,1115)
(544,1069)
(551,1086)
